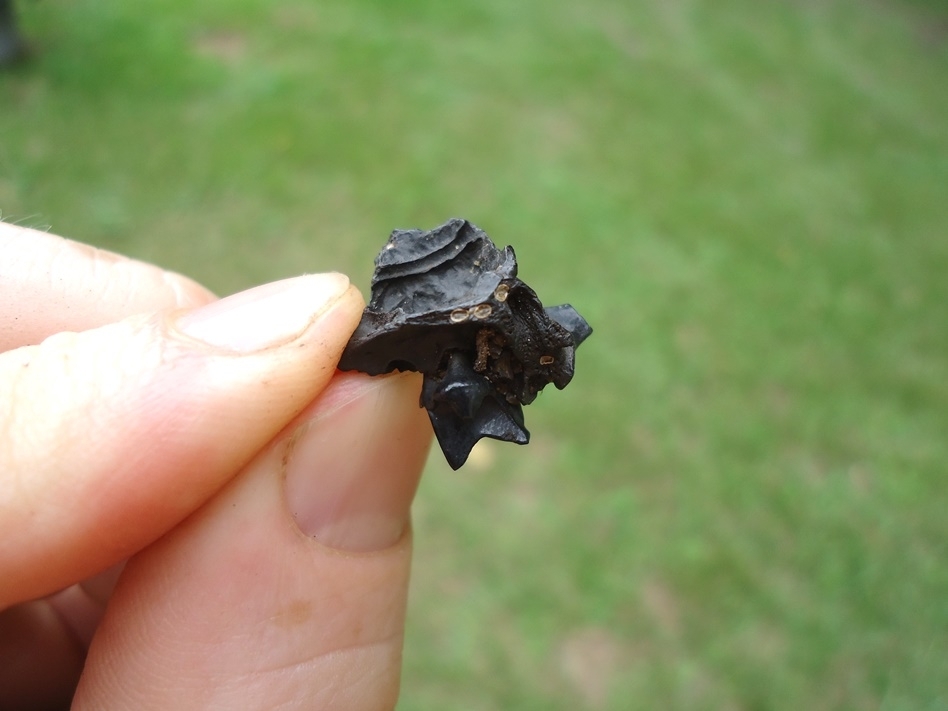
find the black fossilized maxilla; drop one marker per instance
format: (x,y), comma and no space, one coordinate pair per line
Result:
(448,303)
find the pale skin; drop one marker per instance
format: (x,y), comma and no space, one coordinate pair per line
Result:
(196,509)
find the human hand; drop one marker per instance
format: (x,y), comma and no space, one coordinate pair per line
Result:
(259,497)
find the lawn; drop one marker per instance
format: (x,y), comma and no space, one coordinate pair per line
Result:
(741,502)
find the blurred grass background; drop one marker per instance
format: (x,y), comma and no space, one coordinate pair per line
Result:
(741,502)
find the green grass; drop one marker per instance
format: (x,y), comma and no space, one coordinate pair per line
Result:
(742,500)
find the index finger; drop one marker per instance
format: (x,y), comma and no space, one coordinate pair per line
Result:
(49,284)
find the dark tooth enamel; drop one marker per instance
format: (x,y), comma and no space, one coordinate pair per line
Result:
(448,303)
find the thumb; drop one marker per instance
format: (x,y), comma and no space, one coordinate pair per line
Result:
(110,437)
(288,589)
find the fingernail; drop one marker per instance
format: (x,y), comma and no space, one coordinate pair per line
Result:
(352,470)
(265,316)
